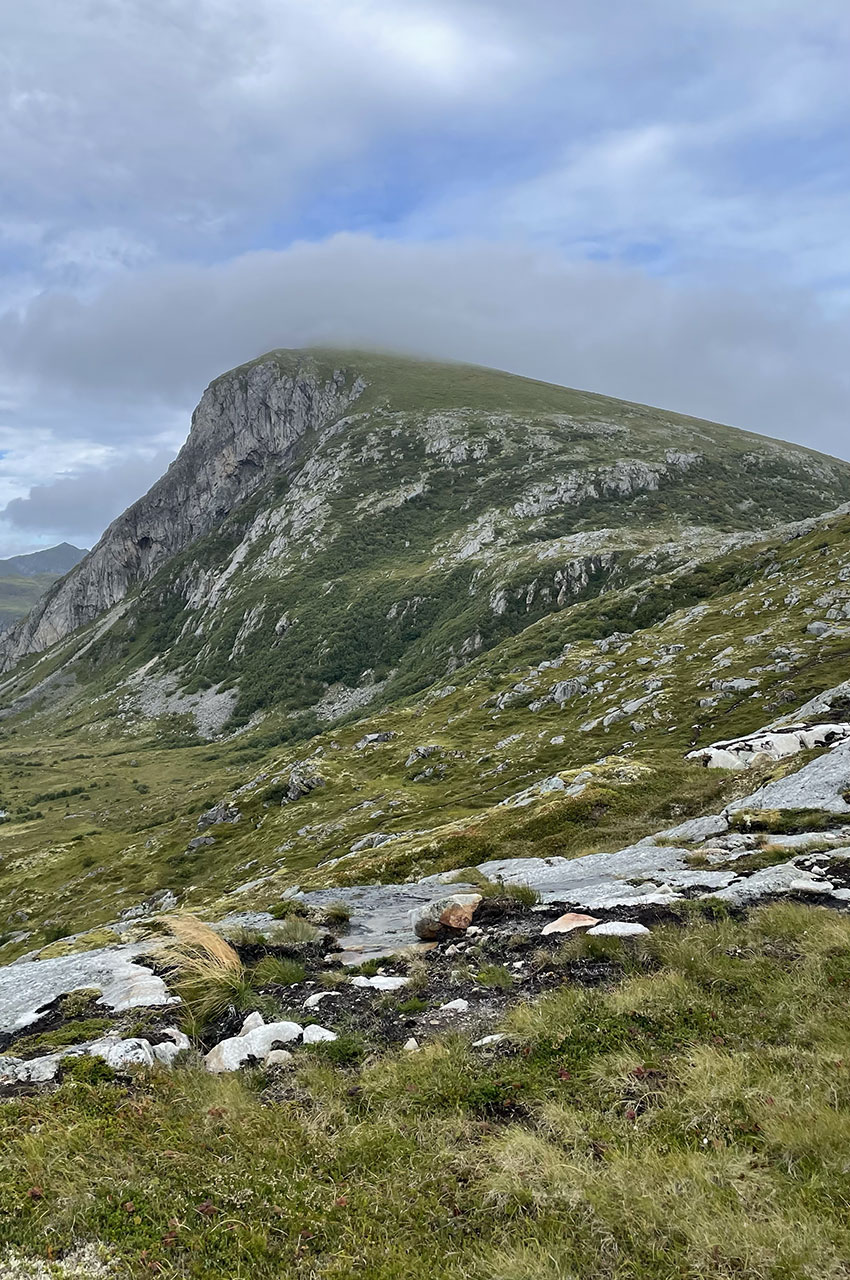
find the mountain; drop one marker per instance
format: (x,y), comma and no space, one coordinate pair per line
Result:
(501,579)
(485,743)
(54,560)
(23,579)
(342,528)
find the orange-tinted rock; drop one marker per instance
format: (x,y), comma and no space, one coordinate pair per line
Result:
(569,922)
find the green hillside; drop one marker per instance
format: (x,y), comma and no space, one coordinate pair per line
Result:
(456,625)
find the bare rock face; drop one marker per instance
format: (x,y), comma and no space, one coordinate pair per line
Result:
(245,430)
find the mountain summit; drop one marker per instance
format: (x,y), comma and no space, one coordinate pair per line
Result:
(341,525)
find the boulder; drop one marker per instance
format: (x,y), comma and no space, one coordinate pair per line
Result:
(568,923)
(806,885)
(313,1001)
(167,1050)
(279,1058)
(617,929)
(455,1006)
(380,982)
(453,912)
(256,1044)
(120,1054)
(251,1023)
(317,1035)
(218,814)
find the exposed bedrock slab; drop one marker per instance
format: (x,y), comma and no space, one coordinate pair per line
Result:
(28,987)
(602,880)
(820,784)
(380,915)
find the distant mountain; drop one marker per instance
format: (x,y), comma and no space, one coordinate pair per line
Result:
(53,560)
(23,579)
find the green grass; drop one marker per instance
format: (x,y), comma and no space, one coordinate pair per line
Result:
(691,1120)
(276,971)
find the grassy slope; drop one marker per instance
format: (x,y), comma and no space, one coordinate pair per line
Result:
(689,1120)
(137,789)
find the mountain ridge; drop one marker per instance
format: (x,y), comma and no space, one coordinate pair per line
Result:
(364,470)
(59,559)
(25,578)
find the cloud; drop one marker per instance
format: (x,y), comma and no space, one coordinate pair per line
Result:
(79,505)
(750,353)
(646,200)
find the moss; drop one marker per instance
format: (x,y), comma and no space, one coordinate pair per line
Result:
(73,1032)
(91,941)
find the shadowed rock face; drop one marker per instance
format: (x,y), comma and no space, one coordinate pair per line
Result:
(244,431)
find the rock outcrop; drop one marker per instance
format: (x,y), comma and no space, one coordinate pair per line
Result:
(244,431)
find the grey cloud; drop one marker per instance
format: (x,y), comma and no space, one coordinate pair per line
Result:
(80,505)
(757,355)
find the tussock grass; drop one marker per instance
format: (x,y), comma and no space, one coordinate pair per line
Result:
(337,913)
(292,930)
(206,971)
(520,893)
(277,971)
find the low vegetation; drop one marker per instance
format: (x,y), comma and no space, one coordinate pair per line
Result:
(690,1119)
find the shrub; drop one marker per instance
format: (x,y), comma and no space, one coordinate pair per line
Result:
(495,975)
(345,1051)
(87,1070)
(287,907)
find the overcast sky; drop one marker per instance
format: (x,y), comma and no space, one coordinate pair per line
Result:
(650,200)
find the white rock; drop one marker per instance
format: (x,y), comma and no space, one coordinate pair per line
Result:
(279,1058)
(317,1035)
(473,931)
(230,1054)
(805,884)
(380,983)
(411,1045)
(123,1053)
(35,1071)
(168,1050)
(28,986)
(313,1001)
(455,1006)
(486,1040)
(251,1023)
(617,929)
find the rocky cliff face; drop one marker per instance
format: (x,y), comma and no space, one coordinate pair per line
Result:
(246,428)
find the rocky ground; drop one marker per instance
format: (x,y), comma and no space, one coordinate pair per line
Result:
(384,966)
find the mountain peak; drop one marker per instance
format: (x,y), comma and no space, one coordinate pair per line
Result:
(458,498)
